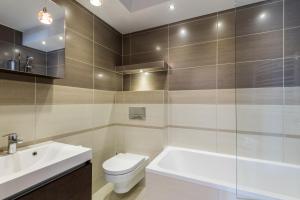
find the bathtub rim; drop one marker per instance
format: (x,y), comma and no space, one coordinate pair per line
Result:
(242,191)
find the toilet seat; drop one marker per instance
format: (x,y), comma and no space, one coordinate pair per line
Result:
(123,163)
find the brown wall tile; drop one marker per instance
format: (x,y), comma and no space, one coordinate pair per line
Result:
(126,82)
(126,45)
(291,43)
(292,14)
(106,80)
(260,18)
(14,91)
(226,24)
(194,55)
(106,58)
(77,74)
(226,51)
(226,76)
(292,72)
(56,94)
(152,81)
(146,57)
(107,36)
(201,30)
(78,47)
(260,74)
(193,78)
(77,17)
(148,41)
(259,47)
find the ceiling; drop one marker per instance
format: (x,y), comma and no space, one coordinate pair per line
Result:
(134,15)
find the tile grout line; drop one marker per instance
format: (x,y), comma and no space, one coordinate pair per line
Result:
(283,78)
(217,94)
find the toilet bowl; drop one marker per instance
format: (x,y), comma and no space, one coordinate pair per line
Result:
(125,170)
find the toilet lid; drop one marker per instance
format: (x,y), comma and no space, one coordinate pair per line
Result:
(123,163)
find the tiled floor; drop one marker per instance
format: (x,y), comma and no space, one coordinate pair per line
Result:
(137,193)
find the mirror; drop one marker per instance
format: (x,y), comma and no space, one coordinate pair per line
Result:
(30,41)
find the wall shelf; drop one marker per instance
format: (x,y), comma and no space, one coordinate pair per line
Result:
(145,67)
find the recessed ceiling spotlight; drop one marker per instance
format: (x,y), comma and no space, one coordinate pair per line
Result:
(141,71)
(96,2)
(158,48)
(172,7)
(100,75)
(44,42)
(61,37)
(146,73)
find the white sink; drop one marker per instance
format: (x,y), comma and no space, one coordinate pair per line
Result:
(37,163)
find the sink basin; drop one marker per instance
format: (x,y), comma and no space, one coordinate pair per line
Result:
(37,163)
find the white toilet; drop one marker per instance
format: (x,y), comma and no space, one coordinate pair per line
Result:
(125,170)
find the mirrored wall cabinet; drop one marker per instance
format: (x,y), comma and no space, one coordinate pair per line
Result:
(32,37)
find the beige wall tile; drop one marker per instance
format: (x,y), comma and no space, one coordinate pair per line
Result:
(260,118)
(56,94)
(192,97)
(194,115)
(260,146)
(226,142)
(144,141)
(17,119)
(53,120)
(16,92)
(291,150)
(192,138)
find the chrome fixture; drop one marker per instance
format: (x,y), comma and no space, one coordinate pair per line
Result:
(13,140)
(28,67)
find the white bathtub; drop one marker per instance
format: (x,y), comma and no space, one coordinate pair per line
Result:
(185,174)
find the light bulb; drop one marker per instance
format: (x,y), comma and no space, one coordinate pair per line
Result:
(45,17)
(172,7)
(96,2)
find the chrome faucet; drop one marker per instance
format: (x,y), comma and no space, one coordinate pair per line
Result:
(13,140)
(28,63)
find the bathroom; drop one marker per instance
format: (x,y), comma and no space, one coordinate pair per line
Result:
(150,99)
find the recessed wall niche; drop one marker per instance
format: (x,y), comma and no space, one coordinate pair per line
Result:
(28,44)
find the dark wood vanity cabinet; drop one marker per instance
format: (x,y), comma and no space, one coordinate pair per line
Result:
(73,185)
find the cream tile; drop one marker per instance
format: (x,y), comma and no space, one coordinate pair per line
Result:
(191,138)
(292,95)
(260,118)
(53,120)
(140,97)
(195,115)
(104,97)
(226,143)
(291,150)
(57,94)
(17,119)
(226,116)
(260,96)
(192,97)
(145,141)
(291,119)
(102,114)
(261,147)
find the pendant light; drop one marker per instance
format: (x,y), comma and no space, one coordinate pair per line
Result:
(44,16)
